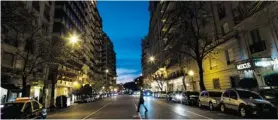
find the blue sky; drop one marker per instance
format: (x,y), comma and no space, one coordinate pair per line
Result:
(126,23)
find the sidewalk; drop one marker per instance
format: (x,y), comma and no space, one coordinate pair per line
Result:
(61,109)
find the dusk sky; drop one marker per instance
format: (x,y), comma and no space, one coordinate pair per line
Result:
(126,23)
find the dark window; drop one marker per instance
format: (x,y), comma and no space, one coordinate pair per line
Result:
(36,5)
(7,59)
(215,94)
(226,93)
(216,83)
(202,93)
(28,108)
(36,106)
(229,56)
(12,107)
(248,94)
(206,94)
(237,15)
(46,12)
(221,10)
(233,95)
(255,36)
(256,44)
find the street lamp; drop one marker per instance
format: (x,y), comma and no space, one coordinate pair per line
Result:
(152,59)
(191,74)
(75,83)
(107,71)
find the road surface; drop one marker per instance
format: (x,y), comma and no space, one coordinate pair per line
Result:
(125,106)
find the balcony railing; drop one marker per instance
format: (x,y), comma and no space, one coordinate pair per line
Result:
(64,83)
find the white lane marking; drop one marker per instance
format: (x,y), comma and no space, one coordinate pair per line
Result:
(65,110)
(136,108)
(96,111)
(190,112)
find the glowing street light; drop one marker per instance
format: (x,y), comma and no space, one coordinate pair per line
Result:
(73,39)
(75,83)
(191,73)
(152,59)
(107,71)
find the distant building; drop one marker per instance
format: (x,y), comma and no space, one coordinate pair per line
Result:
(108,62)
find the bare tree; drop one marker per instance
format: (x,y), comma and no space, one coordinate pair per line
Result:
(194,32)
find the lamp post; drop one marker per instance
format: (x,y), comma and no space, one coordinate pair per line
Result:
(191,74)
(106,73)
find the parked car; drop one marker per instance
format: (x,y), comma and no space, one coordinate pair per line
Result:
(162,94)
(169,96)
(247,103)
(96,96)
(148,93)
(271,95)
(190,97)
(210,99)
(177,96)
(23,108)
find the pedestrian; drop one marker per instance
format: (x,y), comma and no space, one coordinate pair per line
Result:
(141,102)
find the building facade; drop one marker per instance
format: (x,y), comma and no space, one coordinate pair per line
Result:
(75,27)
(108,62)
(249,50)
(13,43)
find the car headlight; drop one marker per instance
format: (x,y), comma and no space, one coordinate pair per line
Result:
(178,96)
(269,97)
(251,104)
(213,101)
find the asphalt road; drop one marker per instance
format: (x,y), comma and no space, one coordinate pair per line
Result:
(125,106)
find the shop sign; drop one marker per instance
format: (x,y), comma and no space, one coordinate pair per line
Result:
(266,63)
(244,66)
(256,63)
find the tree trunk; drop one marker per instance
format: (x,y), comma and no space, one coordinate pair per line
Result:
(183,82)
(52,105)
(25,88)
(45,86)
(201,75)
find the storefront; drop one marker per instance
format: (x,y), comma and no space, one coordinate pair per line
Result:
(176,84)
(264,70)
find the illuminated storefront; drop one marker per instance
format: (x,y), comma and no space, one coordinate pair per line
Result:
(261,69)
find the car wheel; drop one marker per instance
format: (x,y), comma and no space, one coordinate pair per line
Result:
(199,104)
(222,108)
(187,102)
(211,106)
(242,111)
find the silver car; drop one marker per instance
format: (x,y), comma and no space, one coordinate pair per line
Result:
(246,102)
(210,99)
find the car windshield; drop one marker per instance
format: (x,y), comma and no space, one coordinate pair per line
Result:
(193,93)
(248,94)
(12,107)
(215,94)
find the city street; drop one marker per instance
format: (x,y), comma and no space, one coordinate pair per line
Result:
(124,107)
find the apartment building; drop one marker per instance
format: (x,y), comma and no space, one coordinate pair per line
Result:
(232,61)
(108,62)
(13,44)
(78,18)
